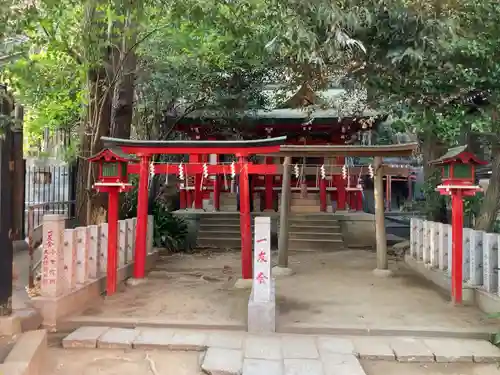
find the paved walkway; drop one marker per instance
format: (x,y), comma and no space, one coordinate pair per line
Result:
(250,354)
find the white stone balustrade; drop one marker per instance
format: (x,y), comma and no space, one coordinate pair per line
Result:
(431,244)
(73,258)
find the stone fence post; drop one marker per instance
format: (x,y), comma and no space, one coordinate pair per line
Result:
(53,278)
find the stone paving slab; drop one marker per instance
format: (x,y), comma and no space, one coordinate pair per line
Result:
(263,347)
(297,347)
(84,337)
(303,367)
(262,367)
(484,351)
(341,364)
(226,340)
(153,338)
(373,348)
(219,361)
(117,338)
(410,349)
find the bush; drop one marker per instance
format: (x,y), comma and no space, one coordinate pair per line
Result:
(170,231)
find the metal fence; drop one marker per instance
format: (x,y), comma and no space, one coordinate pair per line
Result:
(48,189)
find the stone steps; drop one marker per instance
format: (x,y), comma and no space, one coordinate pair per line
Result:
(236,353)
(315,244)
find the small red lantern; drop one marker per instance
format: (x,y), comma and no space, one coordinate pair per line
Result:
(458,168)
(112,168)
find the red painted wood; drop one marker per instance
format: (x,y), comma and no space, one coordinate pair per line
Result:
(341,192)
(359,198)
(191,169)
(246,151)
(322,194)
(245,220)
(112,264)
(142,219)
(198,195)
(217,181)
(457,223)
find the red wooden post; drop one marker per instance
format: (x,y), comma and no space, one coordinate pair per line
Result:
(268,197)
(189,198)
(112,241)
(341,192)
(388,192)
(245,224)
(182,198)
(457,223)
(142,219)
(322,194)
(198,193)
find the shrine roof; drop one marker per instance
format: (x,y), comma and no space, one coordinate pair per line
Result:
(107,152)
(403,149)
(119,142)
(458,154)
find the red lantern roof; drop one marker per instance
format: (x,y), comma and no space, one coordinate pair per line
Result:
(109,154)
(458,154)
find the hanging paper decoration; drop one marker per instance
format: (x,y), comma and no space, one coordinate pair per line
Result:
(344,172)
(233,171)
(323,172)
(370,171)
(181,172)
(296,171)
(151,170)
(205,171)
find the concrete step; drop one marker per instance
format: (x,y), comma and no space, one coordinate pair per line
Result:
(305,202)
(304,209)
(311,229)
(333,236)
(314,222)
(220,241)
(222,222)
(318,244)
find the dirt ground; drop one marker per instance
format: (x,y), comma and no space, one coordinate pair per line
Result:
(119,362)
(396,368)
(328,290)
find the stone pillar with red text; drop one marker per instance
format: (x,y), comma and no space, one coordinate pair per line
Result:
(53,278)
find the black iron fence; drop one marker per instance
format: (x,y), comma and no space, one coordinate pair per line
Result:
(48,190)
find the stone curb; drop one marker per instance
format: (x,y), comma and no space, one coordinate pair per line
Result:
(279,347)
(27,356)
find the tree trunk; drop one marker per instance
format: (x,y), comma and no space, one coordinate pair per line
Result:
(485,221)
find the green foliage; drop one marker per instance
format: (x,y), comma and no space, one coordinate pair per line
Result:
(170,231)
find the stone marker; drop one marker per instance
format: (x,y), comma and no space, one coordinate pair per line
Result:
(117,338)
(53,275)
(103,249)
(219,361)
(262,302)
(82,240)
(490,262)
(426,243)
(419,240)
(413,237)
(443,247)
(70,245)
(466,254)
(84,337)
(122,242)
(130,240)
(409,349)
(434,244)
(476,258)
(93,252)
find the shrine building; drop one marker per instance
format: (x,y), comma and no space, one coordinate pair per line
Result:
(318,184)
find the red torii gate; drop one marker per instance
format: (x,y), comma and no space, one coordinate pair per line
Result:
(144,150)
